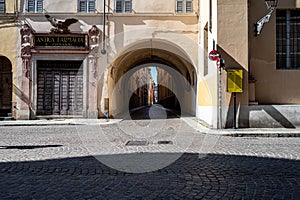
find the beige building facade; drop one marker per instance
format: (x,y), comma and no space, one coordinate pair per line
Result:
(269,61)
(274,65)
(83,69)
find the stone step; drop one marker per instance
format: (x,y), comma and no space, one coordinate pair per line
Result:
(5,113)
(6,118)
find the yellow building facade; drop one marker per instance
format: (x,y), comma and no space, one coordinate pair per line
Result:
(8,57)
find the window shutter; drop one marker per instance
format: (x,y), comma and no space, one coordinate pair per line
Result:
(91,6)
(189,6)
(82,7)
(128,6)
(39,6)
(294,50)
(30,6)
(179,6)
(2,6)
(118,6)
(281,29)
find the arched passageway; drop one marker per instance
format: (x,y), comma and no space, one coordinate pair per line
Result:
(151,91)
(132,84)
(5,86)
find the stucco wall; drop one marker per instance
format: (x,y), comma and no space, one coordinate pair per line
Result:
(289,4)
(60,6)
(157,6)
(154,6)
(138,6)
(10,6)
(233,41)
(182,31)
(8,48)
(150,21)
(207,99)
(8,41)
(232,44)
(273,86)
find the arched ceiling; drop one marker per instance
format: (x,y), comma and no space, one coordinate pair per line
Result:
(152,52)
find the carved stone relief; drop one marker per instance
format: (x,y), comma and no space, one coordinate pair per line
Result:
(26,44)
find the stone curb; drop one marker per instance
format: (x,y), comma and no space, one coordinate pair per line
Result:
(248,132)
(193,122)
(56,123)
(282,134)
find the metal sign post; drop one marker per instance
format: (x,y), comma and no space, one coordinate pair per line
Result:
(103,50)
(220,98)
(234,85)
(215,56)
(234,110)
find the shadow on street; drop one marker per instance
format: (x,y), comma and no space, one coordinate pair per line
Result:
(190,177)
(154,111)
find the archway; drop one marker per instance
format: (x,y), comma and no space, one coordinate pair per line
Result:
(177,77)
(5,86)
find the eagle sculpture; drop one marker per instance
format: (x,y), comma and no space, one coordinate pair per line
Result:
(60,26)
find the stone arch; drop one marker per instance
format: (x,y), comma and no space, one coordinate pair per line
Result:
(157,50)
(160,52)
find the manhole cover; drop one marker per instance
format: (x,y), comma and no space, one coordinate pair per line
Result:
(137,143)
(165,142)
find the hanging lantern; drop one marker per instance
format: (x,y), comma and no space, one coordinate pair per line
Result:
(271,4)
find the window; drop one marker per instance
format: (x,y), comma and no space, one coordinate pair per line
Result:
(118,6)
(123,6)
(188,6)
(86,6)
(184,6)
(2,6)
(288,39)
(35,6)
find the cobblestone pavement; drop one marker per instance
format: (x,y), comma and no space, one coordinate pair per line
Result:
(94,162)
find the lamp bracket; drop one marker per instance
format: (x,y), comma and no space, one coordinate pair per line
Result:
(271,6)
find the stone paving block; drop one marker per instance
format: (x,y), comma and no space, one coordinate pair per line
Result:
(234,168)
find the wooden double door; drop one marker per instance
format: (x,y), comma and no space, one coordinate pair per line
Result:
(5,86)
(59,88)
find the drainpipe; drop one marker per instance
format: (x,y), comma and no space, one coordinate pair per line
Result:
(15,9)
(249,40)
(103,50)
(288,40)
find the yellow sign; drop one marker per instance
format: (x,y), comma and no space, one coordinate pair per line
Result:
(235,80)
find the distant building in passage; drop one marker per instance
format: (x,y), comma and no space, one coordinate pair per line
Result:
(141,88)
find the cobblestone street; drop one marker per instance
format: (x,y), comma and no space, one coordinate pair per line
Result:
(149,99)
(169,161)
